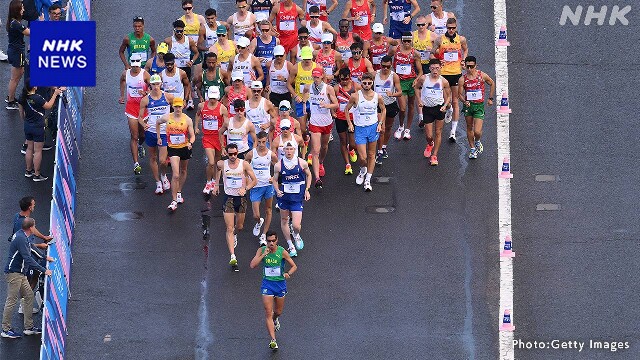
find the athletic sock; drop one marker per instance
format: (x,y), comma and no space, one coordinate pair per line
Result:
(384,146)
(290,243)
(368,177)
(454,126)
(421,117)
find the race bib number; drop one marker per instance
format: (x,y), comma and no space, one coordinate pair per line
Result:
(272,271)
(440,30)
(233,182)
(328,70)
(377,59)
(292,188)
(232,110)
(474,95)
(397,16)
(346,54)
(367,117)
(451,56)
(363,20)
(319,109)
(177,139)
(143,55)
(287,25)
(342,106)
(403,69)
(210,124)
(424,54)
(262,173)
(382,90)
(434,93)
(181,62)
(135,92)
(236,139)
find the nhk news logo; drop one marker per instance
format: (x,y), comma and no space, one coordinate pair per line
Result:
(63,53)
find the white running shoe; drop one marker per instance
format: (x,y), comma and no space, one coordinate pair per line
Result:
(360,177)
(207,188)
(257,227)
(3,56)
(179,198)
(407,134)
(398,133)
(173,206)
(159,189)
(448,116)
(452,136)
(190,104)
(233,261)
(299,242)
(367,186)
(166,184)
(330,136)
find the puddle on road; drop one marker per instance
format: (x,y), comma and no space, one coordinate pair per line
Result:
(126,216)
(139,184)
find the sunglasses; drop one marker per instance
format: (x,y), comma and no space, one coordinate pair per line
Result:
(272,241)
(237,80)
(284,128)
(357,52)
(284,109)
(386,66)
(241,47)
(178,31)
(421,25)
(221,35)
(367,83)
(326,42)
(279,56)
(451,28)
(470,66)
(169,64)
(434,7)
(240,109)
(242,6)
(233,154)
(406,41)
(256,90)
(188,8)
(315,16)
(265,30)
(303,37)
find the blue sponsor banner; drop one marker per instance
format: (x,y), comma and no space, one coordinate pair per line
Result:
(67,139)
(63,53)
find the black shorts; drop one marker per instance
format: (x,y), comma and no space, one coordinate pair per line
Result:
(452,79)
(341,125)
(16,58)
(432,113)
(188,71)
(234,204)
(276,98)
(392,110)
(184,153)
(33,132)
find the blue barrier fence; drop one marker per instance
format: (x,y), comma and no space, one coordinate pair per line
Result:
(62,220)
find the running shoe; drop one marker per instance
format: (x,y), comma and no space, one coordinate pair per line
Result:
(379,158)
(141,151)
(276,324)
(137,169)
(330,137)
(235,240)
(28,173)
(33,331)
(166,184)
(353,157)
(257,227)
(263,240)
(321,170)
(292,251)
(173,206)
(398,133)
(207,188)
(179,198)
(428,149)
(452,136)
(407,134)
(348,170)
(299,242)
(39,178)
(195,92)
(473,153)
(23,149)
(361,175)
(309,159)
(367,186)
(233,261)
(433,160)
(448,116)
(10,334)
(318,184)
(273,344)
(385,153)
(4,57)
(421,124)
(159,190)
(479,147)
(7,98)
(13,105)
(190,104)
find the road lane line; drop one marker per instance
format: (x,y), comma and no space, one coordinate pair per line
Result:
(504,185)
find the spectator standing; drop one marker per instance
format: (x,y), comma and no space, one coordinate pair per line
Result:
(19,260)
(16,32)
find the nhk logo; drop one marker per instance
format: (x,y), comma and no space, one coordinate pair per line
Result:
(63,53)
(617,14)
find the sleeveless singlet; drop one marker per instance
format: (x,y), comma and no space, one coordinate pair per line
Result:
(343,46)
(328,62)
(450,53)
(155,68)
(439,25)
(319,116)
(357,72)
(265,51)
(278,86)
(474,88)
(140,46)
(292,180)
(303,78)
(192,29)
(135,84)
(211,119)
(239,135)
(273,265)
(210,35)
(382,86)
(181,51)
(423,46)
(177,132)
(362,25)
(245,67)
(315,33)
(343,97)
(224,56)
(240,28)
(233,95)
(404,65)
(234,179)
(432,93)
(172,84)
(258,115)
(286,23)
(261,8)
(377,52)
(261,166)
(281,147)
(157,108)
(206,84)
(367,110)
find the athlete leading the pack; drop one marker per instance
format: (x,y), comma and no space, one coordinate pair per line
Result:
(137,42)
(274,281)
(401,14)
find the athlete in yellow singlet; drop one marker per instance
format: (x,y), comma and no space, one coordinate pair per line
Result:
(224,48)
(299,83)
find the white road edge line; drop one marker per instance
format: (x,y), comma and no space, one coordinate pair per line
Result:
(504,185)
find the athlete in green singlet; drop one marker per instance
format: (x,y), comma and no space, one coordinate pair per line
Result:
(137,42)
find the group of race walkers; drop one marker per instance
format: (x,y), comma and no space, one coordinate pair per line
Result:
(270,81)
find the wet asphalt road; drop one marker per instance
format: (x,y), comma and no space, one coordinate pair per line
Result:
(419,282)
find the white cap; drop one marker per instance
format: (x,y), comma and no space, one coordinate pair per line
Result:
(256,84)
(135,59)
(285,123)
(278,50)
(243,42)
(327,37)
(237,75)
(261,16)
(377,28)
(285,103)
(213,92)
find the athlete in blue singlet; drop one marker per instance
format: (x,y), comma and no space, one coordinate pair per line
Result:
(401,14)
(263,47)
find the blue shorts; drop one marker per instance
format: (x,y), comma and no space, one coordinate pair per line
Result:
(299,108)
(290,205)
(396,28)
(366,134)
(34,132)
(151,139)
(261,193)
(273,288)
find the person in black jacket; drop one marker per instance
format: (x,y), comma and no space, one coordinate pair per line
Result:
(32,109)
(19,262)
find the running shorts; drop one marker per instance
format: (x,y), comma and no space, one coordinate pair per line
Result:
(234,204)
(407,87)
(273,288)
(261,193)
(475,110)
(151,139)
(432,113)
(183,153)
(366,134)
